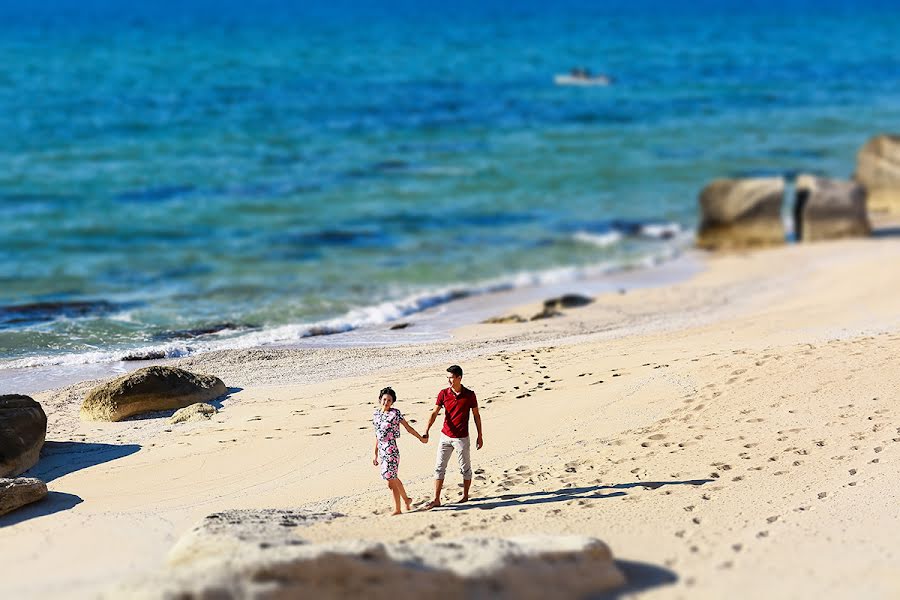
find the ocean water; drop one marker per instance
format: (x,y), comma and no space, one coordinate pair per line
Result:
(191,175)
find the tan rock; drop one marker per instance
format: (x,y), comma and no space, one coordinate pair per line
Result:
(741,213)
(23,427)
(219,559)
(147,390)
(15,493)
(878,170)
(200,411)
(828,209)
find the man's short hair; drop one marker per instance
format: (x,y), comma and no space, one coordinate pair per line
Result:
(455,369)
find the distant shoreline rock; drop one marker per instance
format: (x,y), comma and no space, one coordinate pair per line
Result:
(741,213)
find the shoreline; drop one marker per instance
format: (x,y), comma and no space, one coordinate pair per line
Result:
(676,423)
(430,325)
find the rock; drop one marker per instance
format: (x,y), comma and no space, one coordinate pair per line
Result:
(827,209)
(567,301)
(15,493)
(397,326)
(546,313)
(195,412)
(506,319)
(878,170)
(23,427)
(147,390)
(221,559)
(741,213)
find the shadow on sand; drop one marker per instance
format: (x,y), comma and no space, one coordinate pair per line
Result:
(591,492)
(639,577)
(62,458)
(54,502)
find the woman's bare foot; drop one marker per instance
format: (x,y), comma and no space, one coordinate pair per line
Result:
(432,504)
(408,501)
(395,513)
(464,499)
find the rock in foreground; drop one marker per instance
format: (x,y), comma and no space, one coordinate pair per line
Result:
(147,390)
(255,558)
(829,209)
(878,170)
(741,213)
(15,493)
(23,427)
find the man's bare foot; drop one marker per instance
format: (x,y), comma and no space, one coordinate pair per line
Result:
(464,499)
(408,503)
(395,513)
(432,504)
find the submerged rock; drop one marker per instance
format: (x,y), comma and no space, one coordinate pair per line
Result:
(15,493)
(23,427)
(195,412)
(255,554)
(147,390)
(567,301)
(741,213)
(828,209)
(878,170)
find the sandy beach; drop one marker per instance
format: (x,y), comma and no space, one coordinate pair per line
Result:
(734,435)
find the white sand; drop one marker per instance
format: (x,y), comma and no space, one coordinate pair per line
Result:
(739,431)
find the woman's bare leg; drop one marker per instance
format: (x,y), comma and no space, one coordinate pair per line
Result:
(403,495)
(392,483)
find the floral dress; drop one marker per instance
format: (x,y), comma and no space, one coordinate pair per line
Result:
(387,429)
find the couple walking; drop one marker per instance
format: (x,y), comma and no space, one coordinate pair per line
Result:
(457,401)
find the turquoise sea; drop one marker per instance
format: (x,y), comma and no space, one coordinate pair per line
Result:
(191,175)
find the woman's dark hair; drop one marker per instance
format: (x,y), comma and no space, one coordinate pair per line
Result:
(389,391)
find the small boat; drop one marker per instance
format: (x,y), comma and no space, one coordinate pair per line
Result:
(584,80)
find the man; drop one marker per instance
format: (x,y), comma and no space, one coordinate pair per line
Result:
(457,401)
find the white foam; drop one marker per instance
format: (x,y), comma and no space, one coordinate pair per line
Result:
(601,240)
(660,231)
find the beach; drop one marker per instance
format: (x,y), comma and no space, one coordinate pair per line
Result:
(734,434)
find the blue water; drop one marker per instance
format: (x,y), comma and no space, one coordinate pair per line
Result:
(180,172)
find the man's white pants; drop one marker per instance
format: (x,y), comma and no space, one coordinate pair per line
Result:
(446,446)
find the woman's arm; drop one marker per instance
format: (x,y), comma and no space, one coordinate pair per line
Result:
(412,431)
(375,460)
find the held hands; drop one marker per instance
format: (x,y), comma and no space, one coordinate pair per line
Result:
(424,438)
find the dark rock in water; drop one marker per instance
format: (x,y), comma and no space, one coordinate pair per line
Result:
(506,319)
(567,301)
(185,334)
(400,326)
(15,493)
(147,390)
(547,313)
(878,170)
(828,209)
(42,312)
(741,213)
(148,355)
(23,427)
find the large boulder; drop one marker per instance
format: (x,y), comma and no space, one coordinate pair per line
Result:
(741,213)
(23,427)
(20,491)
(878,170)
(828,209)
(147,390)
(229,557)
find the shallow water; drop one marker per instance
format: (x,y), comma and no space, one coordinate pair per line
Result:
(183,176)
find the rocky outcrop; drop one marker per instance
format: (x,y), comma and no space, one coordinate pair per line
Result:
(195,412)
(15,493)
(147,390)
(23,427)
(878,170)
(219,559)
(828,209)
(741,213)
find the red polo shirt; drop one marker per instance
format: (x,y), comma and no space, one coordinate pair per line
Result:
(456,411)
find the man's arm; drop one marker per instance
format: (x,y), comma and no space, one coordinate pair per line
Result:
(434,413)
(478,441)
